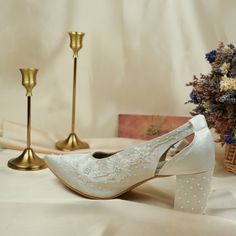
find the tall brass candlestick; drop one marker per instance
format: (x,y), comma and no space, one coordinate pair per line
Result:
(72,142)
(28,160)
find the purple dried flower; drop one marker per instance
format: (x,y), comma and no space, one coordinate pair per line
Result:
(228,138)
(193,96)
(234,56)
(211,56)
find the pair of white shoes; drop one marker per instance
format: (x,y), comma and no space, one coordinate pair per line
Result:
(106,176)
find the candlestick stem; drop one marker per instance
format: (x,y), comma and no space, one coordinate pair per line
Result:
(74,95)
(28,121)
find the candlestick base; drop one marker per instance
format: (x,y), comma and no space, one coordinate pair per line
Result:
(28,160)
(71,143)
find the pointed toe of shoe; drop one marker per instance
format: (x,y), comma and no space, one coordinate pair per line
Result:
(59,164)
(67,169)
(60,167)
(54,164)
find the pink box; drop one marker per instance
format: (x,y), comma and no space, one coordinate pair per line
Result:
(148,126)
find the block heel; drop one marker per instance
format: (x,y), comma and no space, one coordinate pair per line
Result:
(192,192)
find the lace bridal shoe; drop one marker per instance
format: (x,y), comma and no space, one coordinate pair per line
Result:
(106,176)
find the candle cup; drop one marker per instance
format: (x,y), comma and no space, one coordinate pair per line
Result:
(28,160)
(76,42)
(72,142)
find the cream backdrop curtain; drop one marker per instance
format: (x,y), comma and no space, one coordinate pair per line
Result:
(137,57)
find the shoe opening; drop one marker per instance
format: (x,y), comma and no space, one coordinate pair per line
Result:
(101,155)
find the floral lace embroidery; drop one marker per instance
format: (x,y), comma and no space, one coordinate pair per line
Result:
(122,165)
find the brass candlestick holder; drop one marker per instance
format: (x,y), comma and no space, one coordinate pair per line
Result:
(28,160)
(72,142)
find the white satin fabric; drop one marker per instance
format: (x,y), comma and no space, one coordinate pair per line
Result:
(137,57)
(13,136)
(36,203)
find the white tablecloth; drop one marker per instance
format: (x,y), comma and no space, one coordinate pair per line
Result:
(36,203)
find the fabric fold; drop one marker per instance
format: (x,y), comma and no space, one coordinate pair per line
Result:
(13,136)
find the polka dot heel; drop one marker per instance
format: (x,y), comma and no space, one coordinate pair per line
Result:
(192,192)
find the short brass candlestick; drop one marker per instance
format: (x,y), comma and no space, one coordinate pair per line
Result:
(72,142)
(28,160)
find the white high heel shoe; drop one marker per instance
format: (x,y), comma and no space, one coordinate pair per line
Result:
(107,176)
